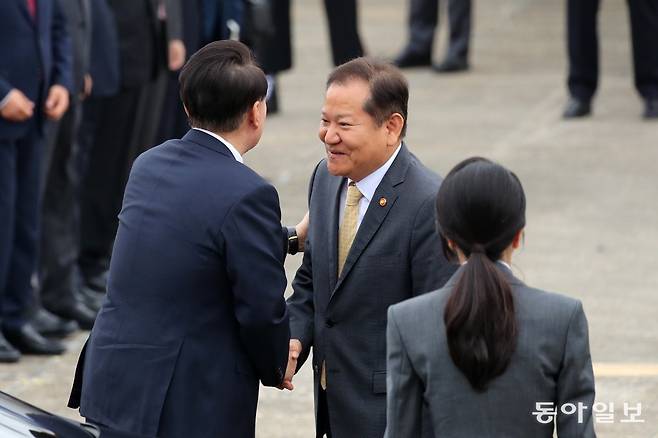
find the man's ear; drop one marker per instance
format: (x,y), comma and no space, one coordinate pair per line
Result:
(187,113)
(519,237)
(394,126)
(256,115)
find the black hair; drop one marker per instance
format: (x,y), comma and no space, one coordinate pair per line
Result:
(219,84)
(481,208)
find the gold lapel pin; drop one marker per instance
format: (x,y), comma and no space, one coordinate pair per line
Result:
(382,202)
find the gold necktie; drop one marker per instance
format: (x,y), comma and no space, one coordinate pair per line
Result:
(346,235)
(348,226)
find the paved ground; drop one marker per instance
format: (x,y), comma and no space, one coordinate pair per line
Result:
(592,186)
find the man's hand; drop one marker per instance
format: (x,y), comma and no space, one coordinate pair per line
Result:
(302,231)
(176,55)
(294,351)
(57,102)
(18,107)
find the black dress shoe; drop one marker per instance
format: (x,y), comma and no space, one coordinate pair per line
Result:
(577,108)
(97,282)
(78,312)
(48,324)
(451,66)
(8,353)
(410,58)
(91,298)
(29,341)
(651,109)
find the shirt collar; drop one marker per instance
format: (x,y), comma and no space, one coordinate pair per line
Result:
(368,185)
(230,147)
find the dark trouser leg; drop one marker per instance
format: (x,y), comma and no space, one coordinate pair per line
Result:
(18,296)
(7,207)
(59,228)
(459,15)
(323,426)
(423,19)
(343,30)
(105,179)
(644,31)
(583,48)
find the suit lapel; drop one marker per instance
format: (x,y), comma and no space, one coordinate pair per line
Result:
(376,213)
(336,185)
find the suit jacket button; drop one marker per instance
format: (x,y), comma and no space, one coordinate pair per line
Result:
(330,322)
(316,368)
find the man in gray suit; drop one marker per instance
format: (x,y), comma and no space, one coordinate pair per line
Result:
(371,243)
(423,19)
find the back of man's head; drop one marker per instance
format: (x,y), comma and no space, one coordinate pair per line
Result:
(389,90)
(219,84)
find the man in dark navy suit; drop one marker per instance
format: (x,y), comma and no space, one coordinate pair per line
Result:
(194,315)
(35,79)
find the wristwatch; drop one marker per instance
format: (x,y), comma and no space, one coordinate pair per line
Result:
(293,241)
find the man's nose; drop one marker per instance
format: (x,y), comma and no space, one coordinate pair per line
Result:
(330,135)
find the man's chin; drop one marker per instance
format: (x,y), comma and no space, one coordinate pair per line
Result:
(335,170)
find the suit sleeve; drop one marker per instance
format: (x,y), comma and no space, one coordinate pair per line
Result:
(576,379)
(62,73)
(404,390)
(429,268)
(300,303)
(174,20)
(251,234)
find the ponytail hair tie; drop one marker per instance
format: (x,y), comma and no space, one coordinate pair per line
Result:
(477,248)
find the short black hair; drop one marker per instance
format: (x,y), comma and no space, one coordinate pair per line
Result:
(389,90)
(219,84)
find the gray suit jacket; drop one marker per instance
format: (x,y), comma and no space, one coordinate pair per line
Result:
(396,255)
(551,364)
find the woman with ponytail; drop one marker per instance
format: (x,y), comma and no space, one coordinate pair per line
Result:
(475,358)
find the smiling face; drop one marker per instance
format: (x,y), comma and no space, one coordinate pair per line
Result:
(356,146)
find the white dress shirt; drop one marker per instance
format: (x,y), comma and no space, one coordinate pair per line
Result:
(367,186)
(230,147)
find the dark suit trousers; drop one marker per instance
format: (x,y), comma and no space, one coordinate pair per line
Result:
(583,47)
(60,212)
(343,30)
(20,169)
(424,18)
(106,138)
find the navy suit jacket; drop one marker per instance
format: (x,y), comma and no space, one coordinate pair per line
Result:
(35,55)
(194,315)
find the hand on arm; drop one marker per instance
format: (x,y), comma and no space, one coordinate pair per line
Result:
(18,107)
(302,232)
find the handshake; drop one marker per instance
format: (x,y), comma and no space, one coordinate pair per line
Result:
(295,349)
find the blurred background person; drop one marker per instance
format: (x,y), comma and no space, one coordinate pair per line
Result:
(268,33)
(423,20)
(583,50)
(111,132)
(481,352)
(59,208)
(35,80)
(343,21)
